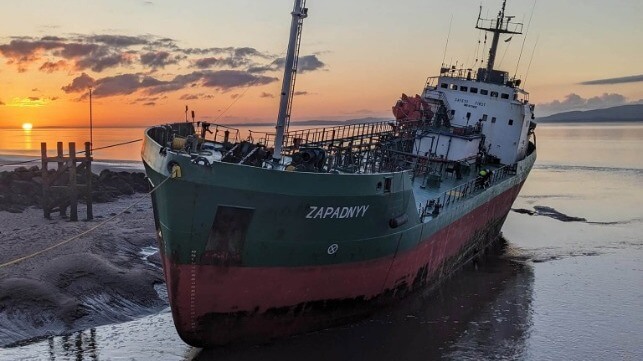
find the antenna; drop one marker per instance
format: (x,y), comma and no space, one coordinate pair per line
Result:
(186,113)
(525,38)
(447,44)
(91,124)
(500,25)
(530,59)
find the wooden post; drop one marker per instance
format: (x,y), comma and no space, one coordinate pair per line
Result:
(62,209)
(59,148)
(88,182)
(45,184)
(73,191)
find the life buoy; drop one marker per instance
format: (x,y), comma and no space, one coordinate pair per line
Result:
(201,161)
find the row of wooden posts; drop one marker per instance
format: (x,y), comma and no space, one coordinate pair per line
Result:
(75,163)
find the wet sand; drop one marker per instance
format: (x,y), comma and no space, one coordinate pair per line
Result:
(99,278)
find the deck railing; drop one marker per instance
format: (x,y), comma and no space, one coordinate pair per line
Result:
(320,137)
(463,191)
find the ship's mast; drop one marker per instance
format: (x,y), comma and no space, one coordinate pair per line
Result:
(299,13)
(501,25)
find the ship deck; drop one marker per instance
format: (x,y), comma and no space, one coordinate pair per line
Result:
(446,189)
(353,149)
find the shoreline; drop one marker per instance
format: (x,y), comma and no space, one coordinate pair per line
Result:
(98,165)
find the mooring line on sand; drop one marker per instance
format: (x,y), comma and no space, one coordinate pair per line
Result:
(79,152)
(20,259)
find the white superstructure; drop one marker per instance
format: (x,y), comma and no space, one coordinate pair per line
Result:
(486,106)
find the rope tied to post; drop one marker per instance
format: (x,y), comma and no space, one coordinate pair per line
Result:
(56,245)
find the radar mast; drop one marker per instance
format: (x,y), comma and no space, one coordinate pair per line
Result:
(500,25)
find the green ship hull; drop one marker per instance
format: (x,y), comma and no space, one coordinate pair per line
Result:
(252,253)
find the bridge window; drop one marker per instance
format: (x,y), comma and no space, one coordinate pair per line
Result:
(444,85)
(464,88)
(484,117)
(474,90)
(494,94)
(452,112)
(454,87)
(493,119)
(504,96)
(484,91)
(511,122)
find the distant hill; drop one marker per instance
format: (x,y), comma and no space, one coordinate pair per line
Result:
(623,113)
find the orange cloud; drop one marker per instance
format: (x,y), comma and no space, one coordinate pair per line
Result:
(30,102)
(50,67)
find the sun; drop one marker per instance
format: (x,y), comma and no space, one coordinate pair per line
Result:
(27,126)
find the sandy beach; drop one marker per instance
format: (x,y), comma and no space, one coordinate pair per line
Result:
(106,276)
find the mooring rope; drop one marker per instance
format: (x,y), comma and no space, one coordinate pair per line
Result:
(79,152)
(20,259)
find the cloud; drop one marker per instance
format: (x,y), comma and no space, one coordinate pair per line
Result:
(205,63)
(196,96)
(301,92)
(150,104)
(189,97)
(80,83)
(159,59)
(50,67)
(227,79)
(52,38)
(95,52)
(26,50)
(118,40)
(99,62)
(620,80)
(266,95)
(30,102)
(247,52)
(76,50)
(125,84)
(179,82)
(1,102)
(309,63)
(232,57)
(306,63)
(260,69)
(130,59)
(576,102)
(104,51)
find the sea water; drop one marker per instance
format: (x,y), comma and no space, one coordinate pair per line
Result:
(568,287)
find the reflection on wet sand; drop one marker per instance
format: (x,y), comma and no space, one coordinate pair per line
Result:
(79,346)
(482,311)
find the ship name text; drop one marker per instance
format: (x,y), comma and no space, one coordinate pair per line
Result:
(317,212)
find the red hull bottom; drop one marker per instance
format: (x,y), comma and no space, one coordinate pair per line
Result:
(214,305)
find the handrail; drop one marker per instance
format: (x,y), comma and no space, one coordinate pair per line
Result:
(462,191)
(321,136)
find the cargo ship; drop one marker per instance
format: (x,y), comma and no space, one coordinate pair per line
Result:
(302,230)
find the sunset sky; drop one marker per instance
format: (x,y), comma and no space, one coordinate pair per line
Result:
(147,60)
